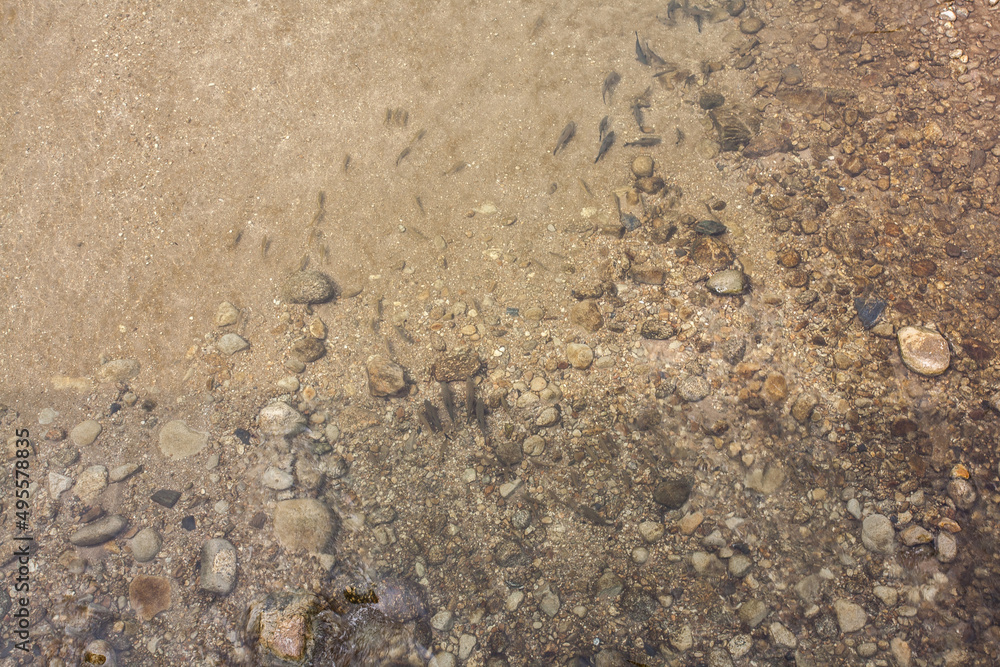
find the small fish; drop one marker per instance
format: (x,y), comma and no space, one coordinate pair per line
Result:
(432,416)
(449,401)
(315,234)
(568,132)
(420,205)
(304,262)
(347,162)
(640,55)
(553,188)
(470,399)
(402,155)
(403,333)
(699,15)
(586,188)
(609,141)
(455,168)
(680,136)
(420,135)
(320,210)
(637,114)
(652,57)
(419,233)
(605,122)
(644,142)
(324,253)
(265,243)
(610,82)
(671,8)
(591,515)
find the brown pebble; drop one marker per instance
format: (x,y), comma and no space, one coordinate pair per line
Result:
(854,166)
(789,258)
(952,250)
(923,268)
(797,278)
(650,184)
(775,388)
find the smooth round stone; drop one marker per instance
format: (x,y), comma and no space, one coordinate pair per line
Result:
(280,420)
(145,545)
(177,441)
(850,617)
(642,166)
(751,25)
(232,343)
(728,283)
(308,287)
(640,555)
(288,384)
(693,388)
(304,524)
(99,531)
(218,566)
(534,445)
(579,355)
(651,531)
(91,483)
(85,433)
(923,350)
(878,534)
(548,417)
(277,479)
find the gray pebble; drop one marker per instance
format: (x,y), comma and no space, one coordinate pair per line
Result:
(99,531)
(122,472)
(277,479)
(548,417)
(442,621)
(739,565)
(304,524)
(145,545)
(308,287)
(753,612)
(608,585)
(218,566)
(693,388)
(177,441)
(854,507)
(534,445)
(878,534)
(281,420)
(728,283)
(232,343)
(947,547)
(466,643)
(850,617)
(226,314)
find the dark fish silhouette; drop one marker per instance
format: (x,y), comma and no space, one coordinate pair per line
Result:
(481,414)
(640,54)
(609,140)
(610,82)
(432,416)
(449,401)
(680,136)
(402,155)
(604,126)
(644,142)
(470,399)
(568,132)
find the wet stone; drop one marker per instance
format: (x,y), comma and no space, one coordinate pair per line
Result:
(548,417)
(99,531)
(166,497)
(649,185)
(218,566)
(753,612)
(580,356)
(923,350)
(693,388)
(608,585)
(767,143)
(283,625)
(712,253)
(797,278)
(710,228)
(854,166)
(878,534)
(914,535)
(803,407)
(869,310)
(304,524)
(642,166)
(711,100)
(308,287)
(648,275)
(385,377)
(118,370)
(145,545)
(789,258)
(534,445)
(232,343)
(728,283)
(91,483)
(149,595)
(946,546)
(587,314)
(791,75)
(850,617)
(277,479)
(178,441)
(673,493)
(308,349)
(456,366)
(657,329)
(85,433)
(510,453)
(58,484)
(962,492)
(278,419)
(226,314)
(751,25)
(100,652)
(923,268)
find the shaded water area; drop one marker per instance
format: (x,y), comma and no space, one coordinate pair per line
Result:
(501,334)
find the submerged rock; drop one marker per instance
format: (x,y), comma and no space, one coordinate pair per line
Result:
(923,350)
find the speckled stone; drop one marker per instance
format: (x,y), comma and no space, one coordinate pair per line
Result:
(308,287)
(878,534)
(85,433)
(99,531)
(218,566)
(851,617)
(304,524)
(178,441)
(923,350)
(145,545)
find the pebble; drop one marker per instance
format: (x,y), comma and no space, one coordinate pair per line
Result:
(608,585)
(178,441)
(304,524)
(728,283)
(510,453)
(682,638)
(923,350)
(466,643)
(507,488)
(651,531)
(962,492)
(765,481)
(642,166)
(100,652)
(534,445)
(308,287)
(656,329)
(753,612)
(850,617)
(122,472)
(878,534)
(218,566)
(145,545)
(640,555)
(782,635)
(280,420)
(280,624)
(775,388)
(548,600)
(47,416)
(58,484)
(149,595)
(166,497)
(277,479)
(888,595)
(854,507)
(85,433)
(803,407)
(690,522)
(751,25)
(232,343)
(226,314)
(946,546)
(586,314)
(791,75)
(710,228)
(456,366)
(914,535)
(820,42)
(385,377)
(442,659)
(673,493)
(548,417)
(91,483)
(719,657)
(99,531)
(703,562)
(739,565)
(900,652)
(308,349)
(118,370)
(693,388)
(740,645)
(288,384)
(442,621)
